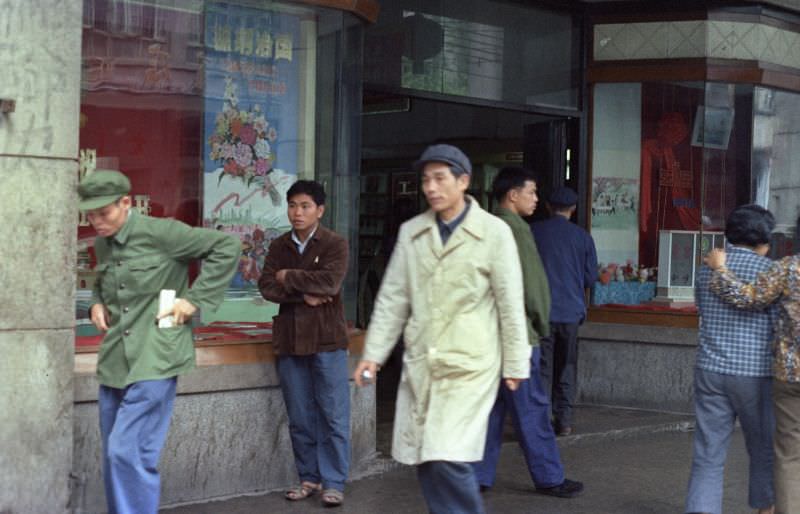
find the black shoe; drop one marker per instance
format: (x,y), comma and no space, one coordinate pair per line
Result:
(561,430)
(485,488)
(567,489)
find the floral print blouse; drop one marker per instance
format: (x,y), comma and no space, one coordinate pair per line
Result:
(781,284)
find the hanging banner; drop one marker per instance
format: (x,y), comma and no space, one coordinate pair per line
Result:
(252,92)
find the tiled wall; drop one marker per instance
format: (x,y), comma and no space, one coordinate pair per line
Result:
(701,38)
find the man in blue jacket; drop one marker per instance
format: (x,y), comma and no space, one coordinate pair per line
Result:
(570,261)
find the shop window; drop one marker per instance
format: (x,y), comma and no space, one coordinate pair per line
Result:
(452,56)
(213,110)
(670,160)
(489,50)
(776,164)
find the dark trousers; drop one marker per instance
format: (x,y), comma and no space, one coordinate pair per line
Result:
(450,487)
(530,412)
(787,446)
(560,369)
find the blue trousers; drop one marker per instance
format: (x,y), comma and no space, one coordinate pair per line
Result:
(719,400)
(449,488)
(316,391)
(133,427)
(530,413)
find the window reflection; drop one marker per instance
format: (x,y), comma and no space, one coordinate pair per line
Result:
(776,163)
(516,54)
(211,109)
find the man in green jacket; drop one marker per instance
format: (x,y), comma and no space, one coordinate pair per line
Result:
(515,191)
(138,363)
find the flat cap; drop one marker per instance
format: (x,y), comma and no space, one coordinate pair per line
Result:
(448,154)
(564,196)
(102,187)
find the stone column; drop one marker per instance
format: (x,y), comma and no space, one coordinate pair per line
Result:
(40,59)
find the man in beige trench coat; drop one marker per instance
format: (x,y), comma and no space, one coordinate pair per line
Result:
(453,288)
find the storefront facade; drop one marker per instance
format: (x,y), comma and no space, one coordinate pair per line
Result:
(249,95)
(213,109)
(662,119)
(693,112)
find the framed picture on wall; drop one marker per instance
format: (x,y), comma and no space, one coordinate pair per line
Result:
(712,127)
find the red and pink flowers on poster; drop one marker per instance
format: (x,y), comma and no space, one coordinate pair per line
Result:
(243,142)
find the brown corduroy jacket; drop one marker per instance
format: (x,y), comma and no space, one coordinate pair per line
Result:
(300,329)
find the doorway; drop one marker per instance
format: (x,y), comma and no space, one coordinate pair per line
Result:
(551,150)
(396,129)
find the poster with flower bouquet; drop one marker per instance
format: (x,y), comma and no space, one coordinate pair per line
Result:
(242,145)
(252,82)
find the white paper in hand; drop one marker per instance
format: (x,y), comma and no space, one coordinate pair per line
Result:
(166,301)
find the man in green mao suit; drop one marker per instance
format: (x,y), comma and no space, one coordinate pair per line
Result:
(138,363)
(529,405)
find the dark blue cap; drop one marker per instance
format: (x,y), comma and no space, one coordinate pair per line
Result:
(564,197)
(448,154)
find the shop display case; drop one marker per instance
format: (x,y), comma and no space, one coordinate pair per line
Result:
(679,259)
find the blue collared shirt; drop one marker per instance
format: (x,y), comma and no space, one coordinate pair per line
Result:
(301,246)
(446,228)
(570,261)
(734,341)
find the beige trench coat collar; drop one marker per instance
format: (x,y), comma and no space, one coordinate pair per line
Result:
(470,227)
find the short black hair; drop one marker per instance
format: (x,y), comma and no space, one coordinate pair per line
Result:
(508,178)
(311,188)
(749,225)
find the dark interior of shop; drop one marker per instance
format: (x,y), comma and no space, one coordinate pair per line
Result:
(396,129)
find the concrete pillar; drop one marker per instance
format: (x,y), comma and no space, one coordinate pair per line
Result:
(40,59)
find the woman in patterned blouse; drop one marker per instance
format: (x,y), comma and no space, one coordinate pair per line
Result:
(780,284)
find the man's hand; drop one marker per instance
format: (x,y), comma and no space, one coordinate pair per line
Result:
(100,317)
(715,259)
(182,310)
(513,383)
(314,301)
(369,366)
(280,276)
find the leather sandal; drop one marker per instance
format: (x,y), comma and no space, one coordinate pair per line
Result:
(303,491)
(332,497)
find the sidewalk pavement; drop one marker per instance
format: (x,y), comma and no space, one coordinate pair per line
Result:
(631,462)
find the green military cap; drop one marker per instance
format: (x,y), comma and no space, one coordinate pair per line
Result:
(102,187)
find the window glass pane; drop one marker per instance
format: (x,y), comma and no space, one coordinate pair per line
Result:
(721,130)
(212,110)
(776,163)
(616,157)
(510,53)
(671,167)
(666,169)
